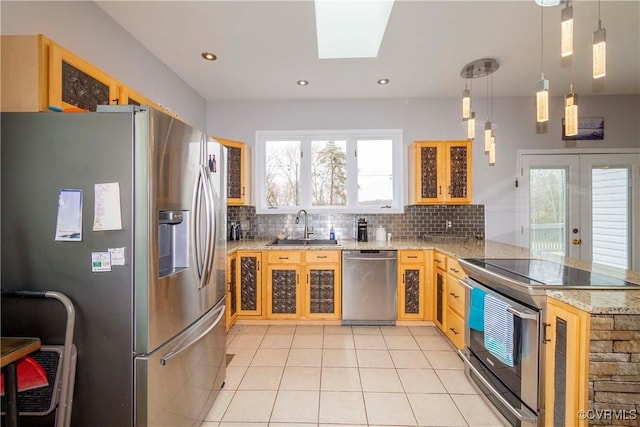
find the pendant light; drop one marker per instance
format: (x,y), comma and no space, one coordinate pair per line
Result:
(466,102)
(571,107)
(571,114)
(542,86)
(492,151)
(481,68)
(566,30)
(471,126)
(599,50)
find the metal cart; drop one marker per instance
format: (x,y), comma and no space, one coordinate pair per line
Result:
(59,363)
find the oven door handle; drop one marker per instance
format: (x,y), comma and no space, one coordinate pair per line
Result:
(465,284)
(520,314)
(523,414)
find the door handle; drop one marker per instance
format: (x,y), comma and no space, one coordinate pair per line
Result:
(173,353)
(577,241)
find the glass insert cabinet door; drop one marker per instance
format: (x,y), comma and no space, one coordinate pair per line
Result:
(582,206)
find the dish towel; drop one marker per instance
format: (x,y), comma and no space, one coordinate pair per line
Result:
(476,310)
(498,329)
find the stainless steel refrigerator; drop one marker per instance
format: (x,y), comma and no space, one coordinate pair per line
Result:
(124,211)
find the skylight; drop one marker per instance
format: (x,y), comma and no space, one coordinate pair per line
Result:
(352,28)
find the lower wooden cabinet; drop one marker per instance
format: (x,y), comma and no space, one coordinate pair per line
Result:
(566,356)
(439,290)
(322,289)
(283,287)
(449,298)
(411,285)
(303,285)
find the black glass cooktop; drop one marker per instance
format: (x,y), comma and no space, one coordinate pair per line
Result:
(538,272)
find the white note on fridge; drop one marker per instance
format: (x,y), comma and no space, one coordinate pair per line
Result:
(107,207)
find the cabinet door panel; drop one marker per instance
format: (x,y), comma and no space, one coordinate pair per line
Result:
(74,82)
(429,184)
(283,292)
(458,164)
(250,284)
(440,299)
(321,291)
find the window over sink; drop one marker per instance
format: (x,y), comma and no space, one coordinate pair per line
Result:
(350,171)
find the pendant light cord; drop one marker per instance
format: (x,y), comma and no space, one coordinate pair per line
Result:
(542,41)
(488,117)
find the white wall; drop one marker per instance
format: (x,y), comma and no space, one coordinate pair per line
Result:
(434,119)
(86,30)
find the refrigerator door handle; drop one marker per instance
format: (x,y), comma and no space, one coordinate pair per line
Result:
(173,353)
(201,259)
(211,233)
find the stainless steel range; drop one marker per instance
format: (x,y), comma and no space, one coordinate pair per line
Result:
(505,332)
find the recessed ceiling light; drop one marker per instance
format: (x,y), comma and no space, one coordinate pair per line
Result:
(383,81)
(302,82)
(209,56)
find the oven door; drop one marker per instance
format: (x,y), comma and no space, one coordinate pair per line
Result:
(513,390)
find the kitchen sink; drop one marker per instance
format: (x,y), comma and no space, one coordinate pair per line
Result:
(303,242)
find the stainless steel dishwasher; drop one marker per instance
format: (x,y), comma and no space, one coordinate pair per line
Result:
(369,287)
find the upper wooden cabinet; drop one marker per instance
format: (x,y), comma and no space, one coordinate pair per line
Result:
(37,74)
(440,172)
(25,73)
(238,172)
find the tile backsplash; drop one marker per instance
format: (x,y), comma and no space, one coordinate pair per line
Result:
(415,222)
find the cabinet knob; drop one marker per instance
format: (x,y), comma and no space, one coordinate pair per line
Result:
(454,295)
(454,331)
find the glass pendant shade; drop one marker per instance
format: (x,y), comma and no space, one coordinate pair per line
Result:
(471,126)
(542,101)
(466,104)
(566,31)
(599,53)
(571,115)
(492,151)
(488,133)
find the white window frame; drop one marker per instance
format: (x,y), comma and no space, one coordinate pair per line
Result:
(351,136)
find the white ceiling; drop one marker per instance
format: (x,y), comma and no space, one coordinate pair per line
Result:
(264,47)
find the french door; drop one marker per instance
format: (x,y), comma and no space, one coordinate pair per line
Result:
(582,205)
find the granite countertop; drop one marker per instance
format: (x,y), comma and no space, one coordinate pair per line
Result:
(594,302)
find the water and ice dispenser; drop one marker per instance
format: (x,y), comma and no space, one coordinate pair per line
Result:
(173,242)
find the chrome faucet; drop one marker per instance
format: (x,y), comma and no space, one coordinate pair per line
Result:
(306,223)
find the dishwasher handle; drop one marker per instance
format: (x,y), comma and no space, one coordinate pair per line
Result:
(372,259)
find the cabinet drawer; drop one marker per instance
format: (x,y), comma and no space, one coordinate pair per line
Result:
(455,295)
(454,268)
(411,256)
(455,329)
(284,257)
(322,256)
(440,260)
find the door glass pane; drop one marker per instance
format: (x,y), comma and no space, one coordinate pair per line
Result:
(282,173)
(548,210)
(375,172)
(328,173)
(610,216)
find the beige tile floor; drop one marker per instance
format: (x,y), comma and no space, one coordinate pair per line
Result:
(321,376)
